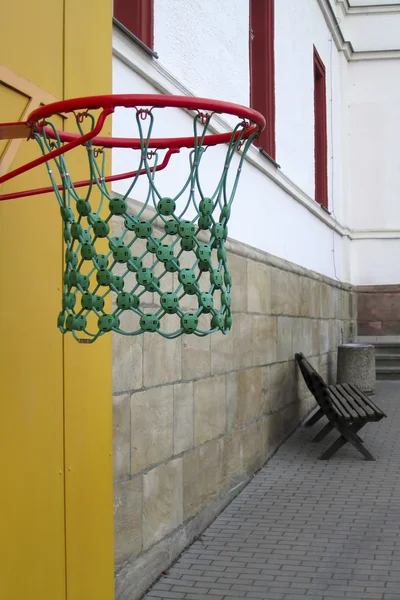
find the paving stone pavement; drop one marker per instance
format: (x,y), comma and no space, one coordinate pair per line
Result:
(305,528)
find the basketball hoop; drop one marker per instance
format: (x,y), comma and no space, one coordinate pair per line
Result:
(191,225)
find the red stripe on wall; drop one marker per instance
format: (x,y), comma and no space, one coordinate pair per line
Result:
(262,69)
(320,135)
(138,17)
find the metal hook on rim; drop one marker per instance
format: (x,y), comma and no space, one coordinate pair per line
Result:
(80,116)
(143,113)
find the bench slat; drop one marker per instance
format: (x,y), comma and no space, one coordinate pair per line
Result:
(359,401)
(357,408)
(348,410)
(337,406)
(364,398)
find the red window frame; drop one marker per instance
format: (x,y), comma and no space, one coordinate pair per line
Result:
(320,132)
(262,69)
(138,17)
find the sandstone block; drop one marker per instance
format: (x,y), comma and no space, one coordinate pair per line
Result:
(195,356)
(209,409)
(333,367)
(258,287)
(285,299)
(201,477)
(302,336)
(353,306)
(238,270)
(162,357)
(315,299)
(249,402)
(183,417)
(326,301)
(315,327)
(337,302)
(264,337)
(121,436)
(266,391)
(306,301)
(323,336)
(345,306)
(253,447)
(290,417)
(232,470)
(127,359)
(162,501)
(151,427)
(242,341)
(336,333)
(272,433)
(222,352)
(322,365)
(353,330)
(127,519)
(285,338)
(232,400)
(282,386)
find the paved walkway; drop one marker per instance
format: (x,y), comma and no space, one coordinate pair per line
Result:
(305,528)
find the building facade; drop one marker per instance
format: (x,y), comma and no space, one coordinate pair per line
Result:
(315,217)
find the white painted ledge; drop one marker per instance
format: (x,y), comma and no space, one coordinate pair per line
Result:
(367,9)
(345,46)
(375,234)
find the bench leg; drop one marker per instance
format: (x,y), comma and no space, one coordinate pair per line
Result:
(314,418)
(348,435)
(324,431)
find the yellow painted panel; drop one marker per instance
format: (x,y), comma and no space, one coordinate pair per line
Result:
(88,390)
(58,527)
(31,35)
(32,549)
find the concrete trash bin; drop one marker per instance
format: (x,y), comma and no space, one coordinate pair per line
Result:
(356,364)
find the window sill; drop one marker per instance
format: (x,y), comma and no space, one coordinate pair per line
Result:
(267,156)
(134,39)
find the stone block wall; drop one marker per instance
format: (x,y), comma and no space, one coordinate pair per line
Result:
(379,310)
(194,418)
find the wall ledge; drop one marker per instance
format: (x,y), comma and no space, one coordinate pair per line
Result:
(346,46)
(246,251)
(367,9)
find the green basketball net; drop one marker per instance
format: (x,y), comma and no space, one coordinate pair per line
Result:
(161,257)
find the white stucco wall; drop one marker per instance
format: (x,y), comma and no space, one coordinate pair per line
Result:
(203,49)
(376,261)
(205,44)
(263,215)
(372,100)
(299,25)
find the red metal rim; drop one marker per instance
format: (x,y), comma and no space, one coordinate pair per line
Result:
(109,103)
(254,123)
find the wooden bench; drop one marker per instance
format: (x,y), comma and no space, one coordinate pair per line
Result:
(346,407)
